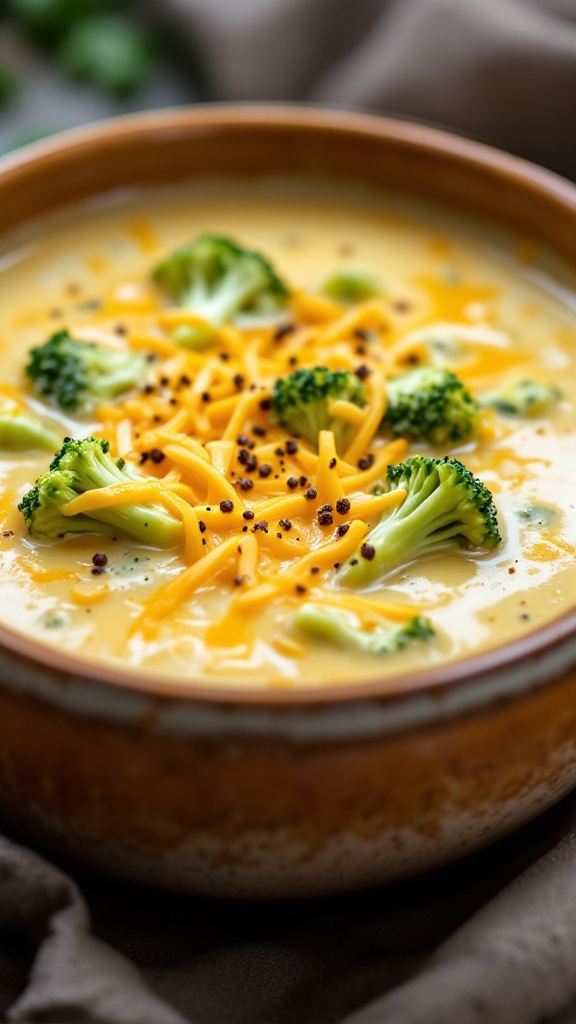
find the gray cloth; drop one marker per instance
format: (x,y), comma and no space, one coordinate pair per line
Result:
(501,70)
(491,940)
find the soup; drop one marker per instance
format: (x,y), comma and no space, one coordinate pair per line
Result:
(247,527)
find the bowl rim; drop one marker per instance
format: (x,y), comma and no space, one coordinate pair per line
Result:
(521,654)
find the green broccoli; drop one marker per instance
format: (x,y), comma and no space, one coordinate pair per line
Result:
(301,402)
(218,279)
(523,397)
(430,404)
(77,375)
(351,285)
(445,506)
(8,87)
(22,434)
(342,630)
(111,50)
(86,465)
(47,21)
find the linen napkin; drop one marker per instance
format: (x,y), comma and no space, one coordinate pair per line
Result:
(491,940)
(503,71)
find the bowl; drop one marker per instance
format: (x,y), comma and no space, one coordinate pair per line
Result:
(283,793)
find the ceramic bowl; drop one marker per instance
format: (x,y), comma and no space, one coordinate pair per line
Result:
(283,793)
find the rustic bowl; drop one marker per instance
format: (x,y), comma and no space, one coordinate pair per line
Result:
(280,793)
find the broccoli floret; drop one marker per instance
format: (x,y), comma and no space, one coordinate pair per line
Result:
(344,630)
(445,506)
(523,397)
(430,404)
(77,376)
(111,50)
(218,279)
(86,465)
(21,434)
(301,403)
(351,285)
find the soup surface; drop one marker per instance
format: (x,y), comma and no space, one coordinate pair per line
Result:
(264,529)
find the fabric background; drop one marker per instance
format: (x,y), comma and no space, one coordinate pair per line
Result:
(491,940)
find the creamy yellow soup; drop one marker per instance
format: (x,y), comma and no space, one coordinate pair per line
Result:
(222,607)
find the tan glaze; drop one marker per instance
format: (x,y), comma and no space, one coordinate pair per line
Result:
(278,794)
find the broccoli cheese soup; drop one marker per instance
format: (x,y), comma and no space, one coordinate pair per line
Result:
(275,439)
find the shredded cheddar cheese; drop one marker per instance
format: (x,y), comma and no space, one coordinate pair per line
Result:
(235,479)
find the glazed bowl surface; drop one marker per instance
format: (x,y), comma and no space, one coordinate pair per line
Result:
(283,793)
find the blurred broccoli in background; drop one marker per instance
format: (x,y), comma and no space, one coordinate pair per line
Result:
(46,22)
(111,51)
(97,41)
(8,86)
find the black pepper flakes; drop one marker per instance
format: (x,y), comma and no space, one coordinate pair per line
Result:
(265,470)
(311,493)
(342,530)
(333,463)
(283,330)
(244,483)
(202,526)
(248,460)
(343,506)
(325,518)
(292,482)
(262,525)
(285,524)
(226,505)
(248,514)
(368,551)
(303,481)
